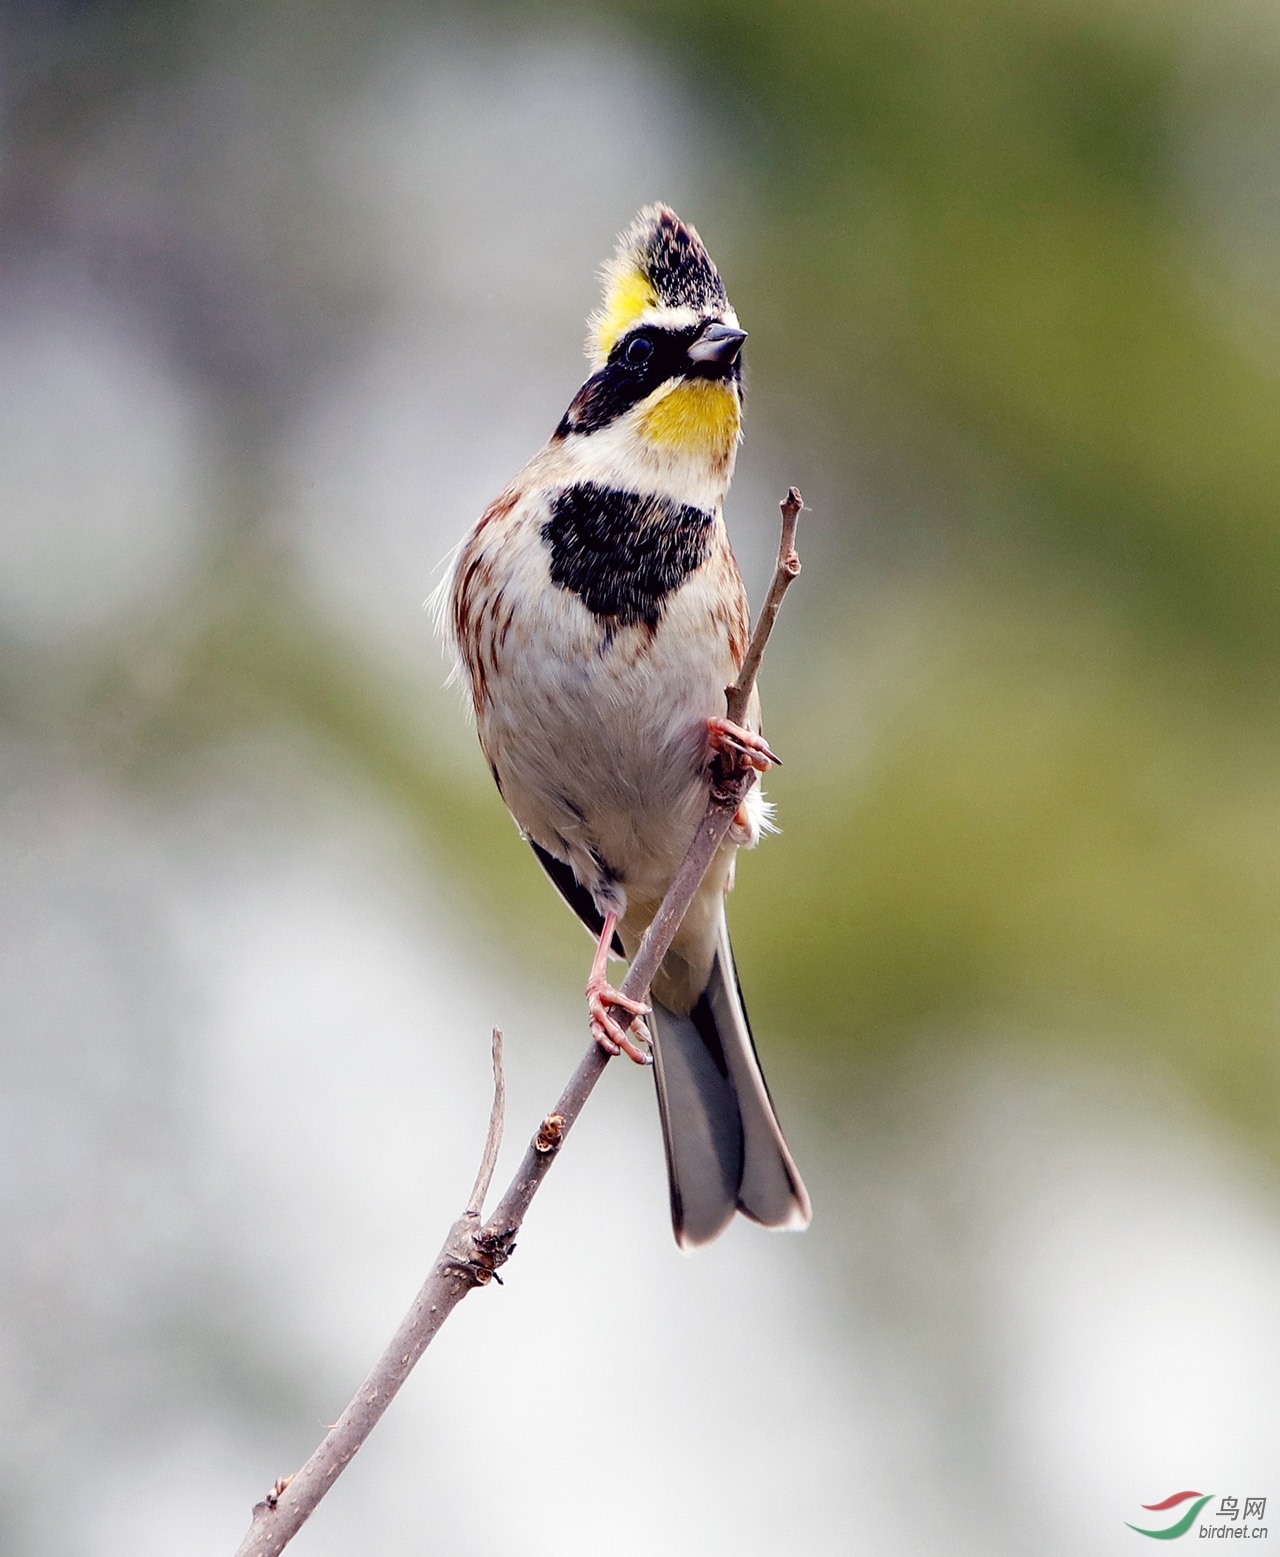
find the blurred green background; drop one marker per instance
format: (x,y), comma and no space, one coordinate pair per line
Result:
(1011,274)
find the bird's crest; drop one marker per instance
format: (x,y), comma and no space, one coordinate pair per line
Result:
(660,262)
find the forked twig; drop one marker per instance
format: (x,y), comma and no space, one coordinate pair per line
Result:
(785,572)
(472,1253)
(497,1116)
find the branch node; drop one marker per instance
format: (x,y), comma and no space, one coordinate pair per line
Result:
(272,1499)
(730,784)
(470,1272)
(550,1136)
(473,1254)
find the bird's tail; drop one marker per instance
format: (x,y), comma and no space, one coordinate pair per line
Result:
(725,1150)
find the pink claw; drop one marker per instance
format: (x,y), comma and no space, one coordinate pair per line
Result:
(608,1033)
(731,740)
(611,1035)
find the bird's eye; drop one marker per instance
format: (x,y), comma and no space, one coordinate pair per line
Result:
(639,350)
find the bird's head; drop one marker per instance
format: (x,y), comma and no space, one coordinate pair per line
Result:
(664,349)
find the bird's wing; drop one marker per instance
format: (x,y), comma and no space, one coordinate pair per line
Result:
(575,894)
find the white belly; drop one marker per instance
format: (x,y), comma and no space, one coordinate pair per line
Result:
(598,737)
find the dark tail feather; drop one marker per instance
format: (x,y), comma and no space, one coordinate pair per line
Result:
(725,1150)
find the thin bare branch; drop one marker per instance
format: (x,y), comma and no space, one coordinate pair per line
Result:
(472,1253)
(786,571)
(492,1146)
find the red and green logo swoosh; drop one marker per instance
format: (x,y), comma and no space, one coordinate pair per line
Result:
(1180,1526)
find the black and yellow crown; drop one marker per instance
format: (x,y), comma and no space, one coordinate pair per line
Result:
(660,263)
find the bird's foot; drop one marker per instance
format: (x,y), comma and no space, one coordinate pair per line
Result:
(610,1034)
(741,746)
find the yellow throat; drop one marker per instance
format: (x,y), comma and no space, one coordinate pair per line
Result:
(698,416)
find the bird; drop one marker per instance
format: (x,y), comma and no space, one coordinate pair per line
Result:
(597,615)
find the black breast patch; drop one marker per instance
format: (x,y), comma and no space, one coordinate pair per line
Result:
(623,553)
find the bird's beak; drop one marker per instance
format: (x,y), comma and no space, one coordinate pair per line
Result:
(717,343)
